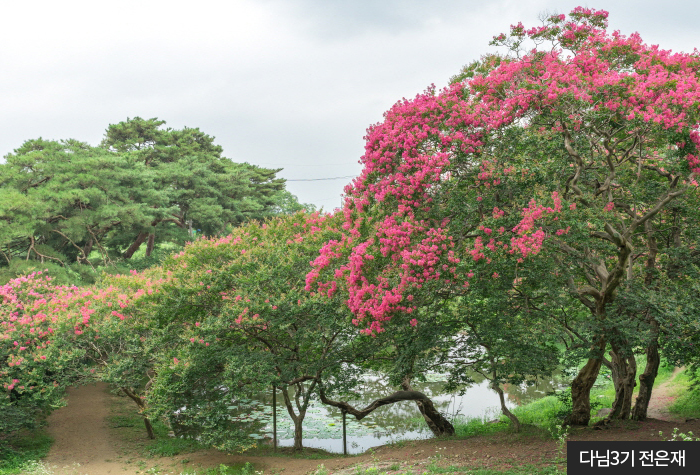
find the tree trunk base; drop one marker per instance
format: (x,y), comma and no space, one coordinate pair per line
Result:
(581,393)
(436,421)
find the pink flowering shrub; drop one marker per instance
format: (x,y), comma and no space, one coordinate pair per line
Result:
(521,156)
(49,334)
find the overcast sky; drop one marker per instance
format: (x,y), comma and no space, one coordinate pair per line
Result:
(280,83)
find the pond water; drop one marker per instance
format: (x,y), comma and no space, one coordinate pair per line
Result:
(323,428)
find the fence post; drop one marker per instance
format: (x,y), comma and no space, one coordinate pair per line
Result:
(274,418)
(345,440)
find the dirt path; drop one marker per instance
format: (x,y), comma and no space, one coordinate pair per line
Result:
(85,445)
(661,400)
(82,439)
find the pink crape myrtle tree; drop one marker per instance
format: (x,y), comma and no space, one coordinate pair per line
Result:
(29,388)
(54,336)
(241,321)
(548,174)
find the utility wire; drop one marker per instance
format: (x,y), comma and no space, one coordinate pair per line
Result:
(319,179)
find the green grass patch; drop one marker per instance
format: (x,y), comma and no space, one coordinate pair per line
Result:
(525,470)
(166,446)
(542,415)
(544,412)
(687,403)
(21,453)
(129,427)
(237,469)
(307,453)
(548,412)
(434,469)
(465,428)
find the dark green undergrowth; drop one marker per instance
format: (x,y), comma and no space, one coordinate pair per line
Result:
(129,428)
(22,449)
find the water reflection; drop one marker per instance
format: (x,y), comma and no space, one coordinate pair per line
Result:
(395,422)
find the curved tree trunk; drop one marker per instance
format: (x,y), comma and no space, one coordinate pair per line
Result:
(135,245)
(501,396)
(142,410)
(581,389)
(647,378)
(436,421)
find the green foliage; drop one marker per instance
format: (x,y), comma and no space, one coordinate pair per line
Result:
(287,203)
(681,436)
(197,183)
(240,320)
(72,197)
(62,275)
(22,451)
(81,208)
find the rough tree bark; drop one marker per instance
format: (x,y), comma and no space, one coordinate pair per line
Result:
(647,378)
(581,388)
(150,244)
(436,421)
(609,282)
(624,372)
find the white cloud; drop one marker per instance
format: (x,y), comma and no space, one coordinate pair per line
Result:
(290,83)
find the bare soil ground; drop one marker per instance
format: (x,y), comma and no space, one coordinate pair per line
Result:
(83,443)
(86,445)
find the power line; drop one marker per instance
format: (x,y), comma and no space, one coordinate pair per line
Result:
(319,179)
(285,165)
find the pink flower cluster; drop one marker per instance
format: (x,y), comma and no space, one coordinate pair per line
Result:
(33,310)
(396,239)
